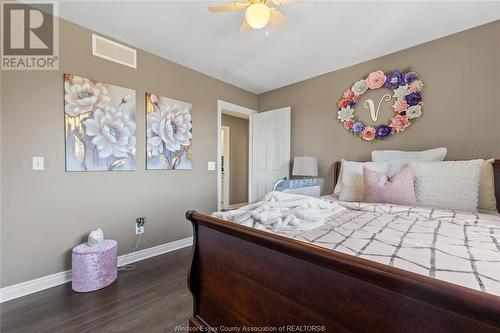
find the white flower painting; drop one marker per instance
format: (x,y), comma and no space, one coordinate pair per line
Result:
(169,133)
(99,125)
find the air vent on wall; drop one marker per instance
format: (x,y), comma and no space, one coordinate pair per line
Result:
(113,51)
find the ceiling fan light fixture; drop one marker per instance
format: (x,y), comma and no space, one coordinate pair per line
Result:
(257,15)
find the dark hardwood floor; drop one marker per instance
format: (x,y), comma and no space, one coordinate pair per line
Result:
(152,298)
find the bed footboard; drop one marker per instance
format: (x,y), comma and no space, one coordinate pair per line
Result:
(245,277)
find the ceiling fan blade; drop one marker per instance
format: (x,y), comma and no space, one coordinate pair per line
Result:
(282,2)
(228,7)
(277,19)
(244,26)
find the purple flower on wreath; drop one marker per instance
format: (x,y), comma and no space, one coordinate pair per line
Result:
(410,77)
(383,131)
(413,98)
(403,113)
(394,80)
(352,104)
(357,127)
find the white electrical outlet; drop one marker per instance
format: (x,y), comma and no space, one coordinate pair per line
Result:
(139,225)
(139,229)
(211,166)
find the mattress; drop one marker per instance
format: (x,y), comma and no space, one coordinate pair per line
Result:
(453,246)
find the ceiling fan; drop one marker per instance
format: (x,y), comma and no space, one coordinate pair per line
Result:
(258,13)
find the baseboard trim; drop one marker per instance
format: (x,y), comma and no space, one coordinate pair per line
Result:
(154,251)
(32,286)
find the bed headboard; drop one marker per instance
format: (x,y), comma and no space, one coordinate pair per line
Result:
(496,172)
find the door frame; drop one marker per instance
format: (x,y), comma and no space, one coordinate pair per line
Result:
(240,112)
(227,169)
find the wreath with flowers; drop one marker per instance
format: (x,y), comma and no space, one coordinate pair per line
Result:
(406,90)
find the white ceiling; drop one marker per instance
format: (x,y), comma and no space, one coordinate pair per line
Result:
(321,36)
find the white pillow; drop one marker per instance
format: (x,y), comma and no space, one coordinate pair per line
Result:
(352,178)
(398,159)
(487,199)
(448,185)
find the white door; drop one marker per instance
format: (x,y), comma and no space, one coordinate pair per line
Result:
(270,149)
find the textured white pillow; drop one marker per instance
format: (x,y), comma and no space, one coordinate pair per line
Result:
(398,159)
(352,178)
(487,199)
(448,184)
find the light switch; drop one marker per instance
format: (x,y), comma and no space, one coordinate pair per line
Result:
(38,163)
(211,166)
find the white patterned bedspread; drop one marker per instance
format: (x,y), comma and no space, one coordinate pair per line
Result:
(458,247)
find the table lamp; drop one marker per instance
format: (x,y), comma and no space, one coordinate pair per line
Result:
(305,166)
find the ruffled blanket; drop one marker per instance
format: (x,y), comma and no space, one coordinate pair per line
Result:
(283,211)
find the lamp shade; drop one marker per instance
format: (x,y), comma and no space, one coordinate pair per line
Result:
(305,166)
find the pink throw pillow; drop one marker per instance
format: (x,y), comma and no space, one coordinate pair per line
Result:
(398,189)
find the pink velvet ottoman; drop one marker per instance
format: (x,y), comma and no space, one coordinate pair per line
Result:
(94,267)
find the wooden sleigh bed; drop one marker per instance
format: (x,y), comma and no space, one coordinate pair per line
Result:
(245,277)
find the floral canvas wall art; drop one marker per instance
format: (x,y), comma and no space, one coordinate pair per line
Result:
(169,133)
(100,126)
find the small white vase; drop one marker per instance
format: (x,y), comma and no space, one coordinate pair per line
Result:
(95,237)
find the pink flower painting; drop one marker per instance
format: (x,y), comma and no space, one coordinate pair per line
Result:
(100,125)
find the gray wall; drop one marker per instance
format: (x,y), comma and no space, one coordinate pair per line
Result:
(238,158)
(461,74)
(46,213)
